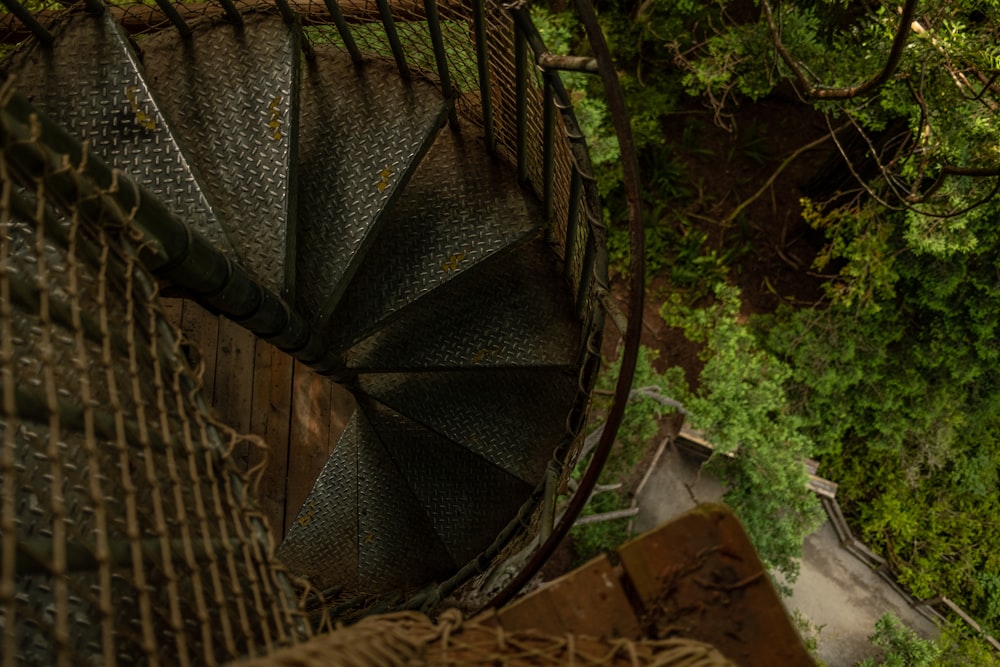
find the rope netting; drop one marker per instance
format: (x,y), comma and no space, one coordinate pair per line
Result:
(408,638)
(125,531)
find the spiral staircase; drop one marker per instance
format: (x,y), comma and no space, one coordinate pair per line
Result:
(390,194)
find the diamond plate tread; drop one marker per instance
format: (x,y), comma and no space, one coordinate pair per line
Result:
(397,545)
(513,418)
(89,82)
(459,208)
(232,96)
(322,542)
(511,313)
(362,131)
(468,499)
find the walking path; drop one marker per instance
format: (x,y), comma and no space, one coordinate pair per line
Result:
(835,591)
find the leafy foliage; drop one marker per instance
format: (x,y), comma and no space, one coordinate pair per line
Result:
(811,634)
(895,380)
(741,406)
(902,401)
(637,433)
(960,648)
(900,646)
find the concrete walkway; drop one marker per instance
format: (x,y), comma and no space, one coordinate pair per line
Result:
(835,591)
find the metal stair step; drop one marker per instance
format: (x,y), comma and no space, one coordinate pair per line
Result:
(460,208)
(513,418)
(364,130)
(468,499)
(232,95)
(322,542)
(90,82)
(511,313)
(362,527)
(398,547)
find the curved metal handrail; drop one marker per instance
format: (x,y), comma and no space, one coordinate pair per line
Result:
(616,103)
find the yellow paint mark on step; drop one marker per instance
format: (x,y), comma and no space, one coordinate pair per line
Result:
(274,123)
(452,263)
(383,178)
(308,515)
(141,117)
(484,353)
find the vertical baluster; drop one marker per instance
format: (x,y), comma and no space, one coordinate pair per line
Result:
(231,12)
(171,13)
(440,57)
(572,221)
(521,101)
(25,17)
(586,272)
(548,146)
(333,7)
(390,32)
(482,61)
(287,15)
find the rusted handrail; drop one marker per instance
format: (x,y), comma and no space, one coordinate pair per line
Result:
(616,104)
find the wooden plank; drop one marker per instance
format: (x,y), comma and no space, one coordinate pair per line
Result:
(590,600)
(342,406)
(173,310)
(309,440)
(700,572)
(234,381)
(201,329)
(269,418)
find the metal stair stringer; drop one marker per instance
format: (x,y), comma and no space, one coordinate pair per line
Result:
(90,82)
(232,94)
(363,130)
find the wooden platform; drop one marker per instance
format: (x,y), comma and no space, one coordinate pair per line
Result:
(697,577)
(255,388)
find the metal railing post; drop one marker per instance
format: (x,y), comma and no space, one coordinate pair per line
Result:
(385,12)
(548,146)
(440,57)
(333,7)
(170,12)
(26,17)
(521,101)
(231,12)
(483,64)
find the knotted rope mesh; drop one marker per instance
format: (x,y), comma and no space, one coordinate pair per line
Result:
(408,638)
(126,532)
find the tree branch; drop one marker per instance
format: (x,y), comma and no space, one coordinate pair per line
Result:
(769,182)
(872,84)
(949,170)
